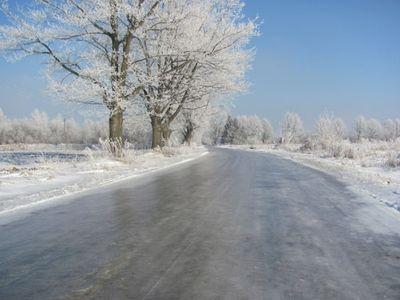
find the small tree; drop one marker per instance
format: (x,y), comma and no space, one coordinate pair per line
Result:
(231,131)
(360,128)
(267,133)
(330,129)
(214,126)
(292,128)
(374,129)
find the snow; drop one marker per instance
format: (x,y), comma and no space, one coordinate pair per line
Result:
(30,178)
(367,173)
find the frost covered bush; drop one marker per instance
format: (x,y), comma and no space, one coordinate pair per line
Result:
(349,151)
(330,134)
(309,144)
(335,150)
(123,151)
(393,160)
(340,149)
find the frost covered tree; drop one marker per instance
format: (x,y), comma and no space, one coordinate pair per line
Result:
(108,52)
(247,130)
(267,132)
(391,129)
(3,127)
(251,130)
(292,128)
(330,129)
(255,130)
(192,123)
(374,129)
(231,131)
(138,129)
(360,128)
(40,125)
(368,129)
(56,127)
(204,124)
(214,126)
(88,45)
(195,52)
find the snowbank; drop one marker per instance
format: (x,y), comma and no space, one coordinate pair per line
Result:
(367,172)
(31,178)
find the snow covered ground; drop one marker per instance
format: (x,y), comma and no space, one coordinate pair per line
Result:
(41,173)
(368,172)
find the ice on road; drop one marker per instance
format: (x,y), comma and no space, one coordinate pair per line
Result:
(230,225)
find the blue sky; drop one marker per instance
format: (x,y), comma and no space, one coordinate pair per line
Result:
(340,56)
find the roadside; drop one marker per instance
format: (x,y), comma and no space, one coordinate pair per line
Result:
(367,175)
(28,178)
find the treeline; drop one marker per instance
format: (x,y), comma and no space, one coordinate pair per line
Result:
(328,129)
(217,128)
(247,130)
(39,128)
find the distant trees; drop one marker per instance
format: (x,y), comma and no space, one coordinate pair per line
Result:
(360,128)
(391,129)
(247,130)
(232,131)
(38,128)
(372,129)
(211,125)
(214,126)
(292,128)
(329,129)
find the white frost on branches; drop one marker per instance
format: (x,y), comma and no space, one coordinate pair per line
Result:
(292,128)
(165,55)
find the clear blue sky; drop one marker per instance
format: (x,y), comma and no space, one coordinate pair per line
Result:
(341,56)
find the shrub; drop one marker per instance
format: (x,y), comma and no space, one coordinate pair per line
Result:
(393,160)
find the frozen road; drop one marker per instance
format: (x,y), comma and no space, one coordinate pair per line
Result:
(231,225)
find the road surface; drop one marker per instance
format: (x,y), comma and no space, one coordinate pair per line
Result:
(231,225)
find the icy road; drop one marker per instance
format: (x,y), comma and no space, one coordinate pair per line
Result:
(230,225)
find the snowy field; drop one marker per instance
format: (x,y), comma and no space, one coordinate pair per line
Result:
(40,173)
(373,169)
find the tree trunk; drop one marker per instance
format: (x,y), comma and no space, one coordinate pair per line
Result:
(166,133)
(160,132)
(115,132)
(156,140)
(188,135)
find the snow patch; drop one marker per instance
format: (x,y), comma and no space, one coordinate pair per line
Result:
(33,183)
